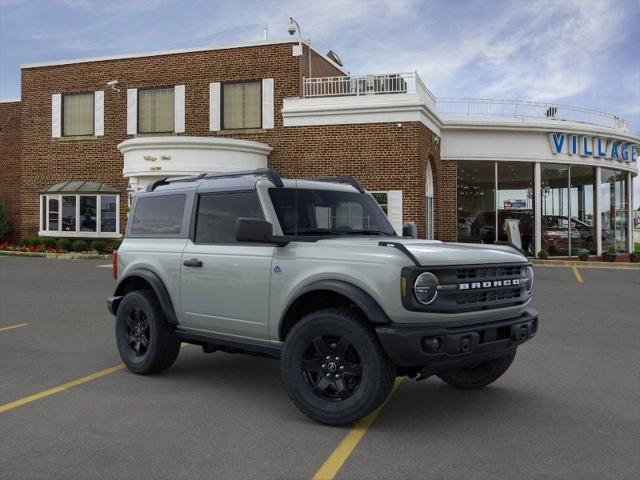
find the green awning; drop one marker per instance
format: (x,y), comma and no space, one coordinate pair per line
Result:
(81,186)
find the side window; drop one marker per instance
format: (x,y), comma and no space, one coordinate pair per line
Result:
(218,212)
(158,215)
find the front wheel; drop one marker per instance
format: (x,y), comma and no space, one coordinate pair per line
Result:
(334,367)
(146,342)
(479,375)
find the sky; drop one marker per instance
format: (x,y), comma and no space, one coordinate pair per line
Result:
(584,53)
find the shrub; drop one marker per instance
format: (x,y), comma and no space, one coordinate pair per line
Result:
(98,245)
(79,246)
(634,257)
(611,249)
(28,241)
(47,242)
(64,244)
(583,255)
(4,222)
(115,244)
(543,254)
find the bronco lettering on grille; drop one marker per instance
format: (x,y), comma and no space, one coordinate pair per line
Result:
(489,284)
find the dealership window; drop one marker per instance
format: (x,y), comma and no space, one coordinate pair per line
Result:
(516,201)
(156,110)
(241,105)
(78,114)
(614,209)
(581,205)
(555,208)
(476,201)
(80,209)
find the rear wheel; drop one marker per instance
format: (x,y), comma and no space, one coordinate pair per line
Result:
(146,342)
(480,375)
(334,368)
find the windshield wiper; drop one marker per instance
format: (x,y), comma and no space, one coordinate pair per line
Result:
(319,231)
(367,232)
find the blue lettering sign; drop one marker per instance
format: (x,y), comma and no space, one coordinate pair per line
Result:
(573,148)
(634,153)
(624,152)
(601,150)
(557,142)
(614,149)
(585,147)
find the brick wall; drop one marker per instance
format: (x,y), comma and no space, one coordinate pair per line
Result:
(10,161)
(382,156)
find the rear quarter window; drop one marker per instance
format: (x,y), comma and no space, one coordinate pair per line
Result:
(158,215)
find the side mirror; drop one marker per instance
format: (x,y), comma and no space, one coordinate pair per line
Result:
(253,230)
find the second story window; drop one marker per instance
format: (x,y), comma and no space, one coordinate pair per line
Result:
(156,110)
(241,105)
(78,114)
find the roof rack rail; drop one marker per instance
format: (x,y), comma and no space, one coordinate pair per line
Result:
(267,172)
(342,179)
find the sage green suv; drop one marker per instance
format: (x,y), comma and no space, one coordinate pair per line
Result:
(312,273)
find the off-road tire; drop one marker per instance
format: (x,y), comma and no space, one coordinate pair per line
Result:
(377,372)
(480,375)
(163,345)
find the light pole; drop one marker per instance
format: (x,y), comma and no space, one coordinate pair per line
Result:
(294,27)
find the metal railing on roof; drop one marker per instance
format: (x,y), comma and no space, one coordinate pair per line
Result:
(403,83)
(528,109)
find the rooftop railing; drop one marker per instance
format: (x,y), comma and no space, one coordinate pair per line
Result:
(528,109)
(402,83)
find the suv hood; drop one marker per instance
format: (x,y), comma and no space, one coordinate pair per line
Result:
(434,252)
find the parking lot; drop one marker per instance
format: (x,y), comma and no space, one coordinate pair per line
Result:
(568,408)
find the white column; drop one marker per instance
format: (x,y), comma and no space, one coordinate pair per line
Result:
(214,107)
(268,114)
(179,100)
(537,207)
(132,111)
(598,213)
(56,117)
(394,209)
(98,111)
(630,211)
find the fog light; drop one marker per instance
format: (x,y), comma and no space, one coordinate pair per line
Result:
(433,344)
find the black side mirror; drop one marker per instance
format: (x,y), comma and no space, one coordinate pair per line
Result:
(253,230)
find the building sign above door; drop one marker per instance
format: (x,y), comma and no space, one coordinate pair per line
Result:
(597,147)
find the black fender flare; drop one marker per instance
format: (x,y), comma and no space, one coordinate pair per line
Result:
(158,287)
(370,307)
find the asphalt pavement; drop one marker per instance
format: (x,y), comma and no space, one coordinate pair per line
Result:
(569,407)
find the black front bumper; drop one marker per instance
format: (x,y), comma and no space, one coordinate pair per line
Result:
(435,348)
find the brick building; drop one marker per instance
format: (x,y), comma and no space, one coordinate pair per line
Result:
(87,134)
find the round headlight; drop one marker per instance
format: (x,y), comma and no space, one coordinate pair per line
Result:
(426,288)
(529,276)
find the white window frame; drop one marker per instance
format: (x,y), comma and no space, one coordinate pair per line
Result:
(78,233)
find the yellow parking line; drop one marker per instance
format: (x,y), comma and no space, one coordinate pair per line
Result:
(74,383)
(577,274)
(334,463)
(11,327)
(104,266)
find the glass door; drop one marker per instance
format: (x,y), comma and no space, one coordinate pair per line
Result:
(555,208)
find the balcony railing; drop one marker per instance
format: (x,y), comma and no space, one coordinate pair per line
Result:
(525,108)
(357,85)
(402,83)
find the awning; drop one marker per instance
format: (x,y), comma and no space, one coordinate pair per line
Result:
(81,186)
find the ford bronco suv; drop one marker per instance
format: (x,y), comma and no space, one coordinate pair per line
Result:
(312,273)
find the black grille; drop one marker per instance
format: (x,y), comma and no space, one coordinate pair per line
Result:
(489,296)
(493,273)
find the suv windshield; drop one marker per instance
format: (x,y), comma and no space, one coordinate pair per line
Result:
(328,212)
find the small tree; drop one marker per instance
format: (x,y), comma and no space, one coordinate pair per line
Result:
(4,222)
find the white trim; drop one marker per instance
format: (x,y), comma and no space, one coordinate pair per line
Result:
(9,100)
(630,212)
(56,115)
(179,100)
(132,111)
(537,207)
(172,52)
(214,107)
(98,113)
(268,114)
(394,209)
(47,233)
(598,211)
(194,143)
(78,233)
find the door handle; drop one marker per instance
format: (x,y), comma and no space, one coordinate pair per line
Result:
(194,262)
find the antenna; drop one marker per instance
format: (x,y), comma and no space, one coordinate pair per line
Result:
(266,32)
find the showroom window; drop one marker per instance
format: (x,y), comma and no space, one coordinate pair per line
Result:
(614,210)
(516,202)
(80,209)
(476,201)
(78,114)
(241,105)
(156,110)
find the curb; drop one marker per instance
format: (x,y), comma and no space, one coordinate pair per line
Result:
(574,263)
(59,256)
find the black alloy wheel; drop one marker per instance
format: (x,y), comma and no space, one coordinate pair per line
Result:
(332,367)
(138,334)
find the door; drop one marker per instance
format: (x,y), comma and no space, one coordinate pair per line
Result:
(225,284)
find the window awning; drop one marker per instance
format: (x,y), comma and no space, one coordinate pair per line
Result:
(81,186)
